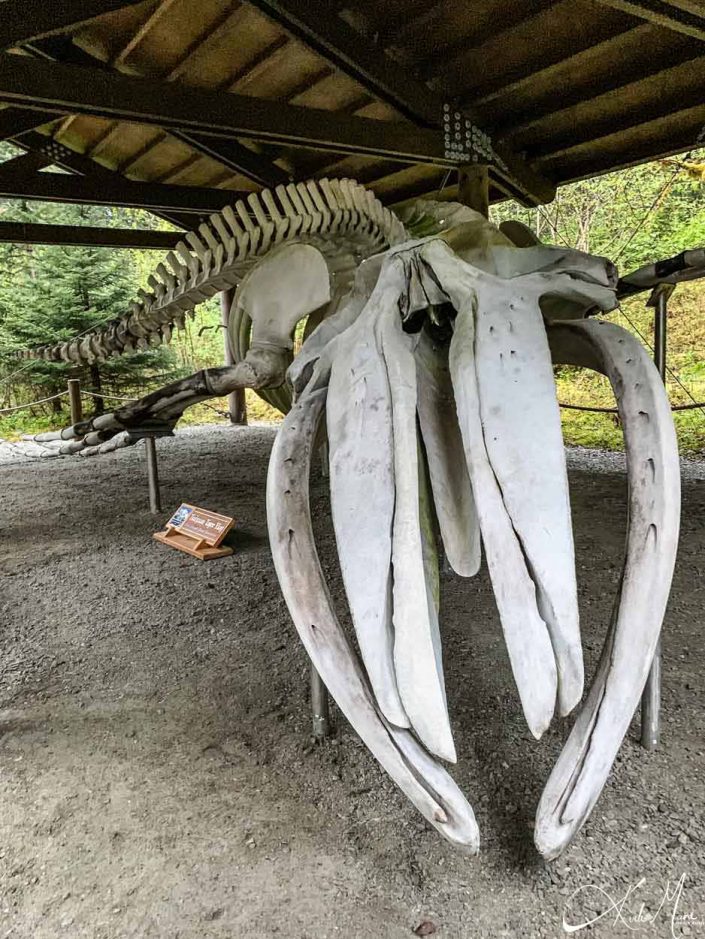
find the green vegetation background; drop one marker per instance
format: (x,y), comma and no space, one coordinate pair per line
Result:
(50,292)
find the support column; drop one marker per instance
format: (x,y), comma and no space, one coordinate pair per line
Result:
(651,698)
(237,408)
(74,386)
(155,502)
(474,188)
(320,710)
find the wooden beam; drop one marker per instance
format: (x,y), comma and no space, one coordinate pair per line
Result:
(679,17)
(674,133)
(236,157)
(634,105)
(230,153)
(57,154)
(631,55)
(85,235)
(474,188)
(23,20)
(14,121)
(321,28)
(83,190)
(41,84)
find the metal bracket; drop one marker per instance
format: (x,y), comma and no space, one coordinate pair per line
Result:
(465,142)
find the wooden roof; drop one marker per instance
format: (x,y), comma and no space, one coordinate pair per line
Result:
(566,88)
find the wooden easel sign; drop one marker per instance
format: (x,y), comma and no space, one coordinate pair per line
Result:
(197,532)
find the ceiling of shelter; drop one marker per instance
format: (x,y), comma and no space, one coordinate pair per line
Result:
(569,88)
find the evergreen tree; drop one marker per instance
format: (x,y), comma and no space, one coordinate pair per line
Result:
(50,293)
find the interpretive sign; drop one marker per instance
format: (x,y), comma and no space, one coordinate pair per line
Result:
(197,531)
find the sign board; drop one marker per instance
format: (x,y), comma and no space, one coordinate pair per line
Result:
(197,531)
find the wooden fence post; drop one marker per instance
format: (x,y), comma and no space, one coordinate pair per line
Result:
(74,386)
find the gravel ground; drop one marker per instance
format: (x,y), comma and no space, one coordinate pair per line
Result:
(156,767)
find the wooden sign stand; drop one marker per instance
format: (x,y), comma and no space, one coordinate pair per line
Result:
(188,531)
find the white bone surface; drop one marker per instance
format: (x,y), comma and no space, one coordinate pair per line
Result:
(417,644)
(421,778)
(361,463)
(654,513)
(450,481)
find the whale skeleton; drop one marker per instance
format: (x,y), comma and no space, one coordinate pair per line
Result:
(429,358)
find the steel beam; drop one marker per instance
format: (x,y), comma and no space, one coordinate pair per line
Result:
(41,84)
(230,153)
(321,28)
(84,235)
(58,154)
(236,157)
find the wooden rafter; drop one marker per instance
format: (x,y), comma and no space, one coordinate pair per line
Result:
(55,187)
(327,33)
(230,153)
(15,121)
(323,30)
(679,17)
(22,21)
(57,154)
(34,83)
(85,235)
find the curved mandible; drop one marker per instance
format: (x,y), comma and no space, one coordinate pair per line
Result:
(298,568)
(654,514)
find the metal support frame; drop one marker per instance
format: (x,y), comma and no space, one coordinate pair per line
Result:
(320,708)
(155,502)
(237,406)
(651,697)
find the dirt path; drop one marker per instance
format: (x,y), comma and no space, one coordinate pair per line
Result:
(156,770)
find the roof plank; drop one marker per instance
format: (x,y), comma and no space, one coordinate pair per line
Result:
(669,15)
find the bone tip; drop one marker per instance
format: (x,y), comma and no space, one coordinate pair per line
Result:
(570,696)
(539,724)
(551,839)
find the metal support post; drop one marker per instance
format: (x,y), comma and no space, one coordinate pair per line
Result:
(651,697)
(237,408)
(74,386)
(320,709)
(324,454)
(155,504)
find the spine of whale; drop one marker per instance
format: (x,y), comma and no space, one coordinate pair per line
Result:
(335,215)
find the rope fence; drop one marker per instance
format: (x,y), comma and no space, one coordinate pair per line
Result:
(61,394)
(94,394)
(598,410)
